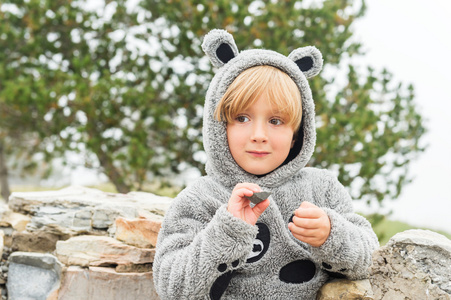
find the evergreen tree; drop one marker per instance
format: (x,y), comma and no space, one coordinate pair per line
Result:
(126,82)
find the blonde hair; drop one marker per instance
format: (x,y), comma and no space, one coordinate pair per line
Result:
(247,88)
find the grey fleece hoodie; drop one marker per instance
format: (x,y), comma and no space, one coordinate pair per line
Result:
(203,252)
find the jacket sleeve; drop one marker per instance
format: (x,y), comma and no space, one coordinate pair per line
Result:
(196,245)
(347,253)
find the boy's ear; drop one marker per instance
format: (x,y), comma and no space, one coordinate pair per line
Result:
(309,60)
(220,47)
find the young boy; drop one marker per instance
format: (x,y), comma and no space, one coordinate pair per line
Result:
(259,134)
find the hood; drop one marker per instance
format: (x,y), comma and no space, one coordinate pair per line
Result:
(301,64)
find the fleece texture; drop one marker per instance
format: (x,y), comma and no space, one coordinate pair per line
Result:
(203,252)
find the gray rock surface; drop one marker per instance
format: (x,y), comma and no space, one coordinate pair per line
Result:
(51,216)
(33,276)
(415,264)
(256,198)
(83,209)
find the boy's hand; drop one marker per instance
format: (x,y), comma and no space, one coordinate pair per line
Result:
(310,224)
(239,205)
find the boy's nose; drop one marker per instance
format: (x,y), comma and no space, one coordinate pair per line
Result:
(259,134)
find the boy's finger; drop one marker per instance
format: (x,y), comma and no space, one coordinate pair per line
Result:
(306,222)
(309,240)
(307,204)
(251,186)
(260,207)
(242,192)
(310,212)
(299,231)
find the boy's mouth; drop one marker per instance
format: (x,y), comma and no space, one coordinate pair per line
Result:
(258,153)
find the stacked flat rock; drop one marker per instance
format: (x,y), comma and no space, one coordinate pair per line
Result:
(67,236)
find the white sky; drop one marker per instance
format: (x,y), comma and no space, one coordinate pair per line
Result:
(412,39)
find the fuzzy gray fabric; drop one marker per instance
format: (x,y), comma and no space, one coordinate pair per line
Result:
(203,252)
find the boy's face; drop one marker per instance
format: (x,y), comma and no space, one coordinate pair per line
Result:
(259,138)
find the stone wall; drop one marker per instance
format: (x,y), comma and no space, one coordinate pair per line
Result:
(81,243)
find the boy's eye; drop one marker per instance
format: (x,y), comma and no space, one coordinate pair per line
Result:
(242,119)
(276,121)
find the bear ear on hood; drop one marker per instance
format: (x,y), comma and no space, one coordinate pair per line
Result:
(220,47)
(309,60)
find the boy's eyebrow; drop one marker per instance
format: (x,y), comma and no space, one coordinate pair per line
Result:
(280,113)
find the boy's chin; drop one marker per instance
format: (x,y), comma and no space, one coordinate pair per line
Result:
(259,173)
